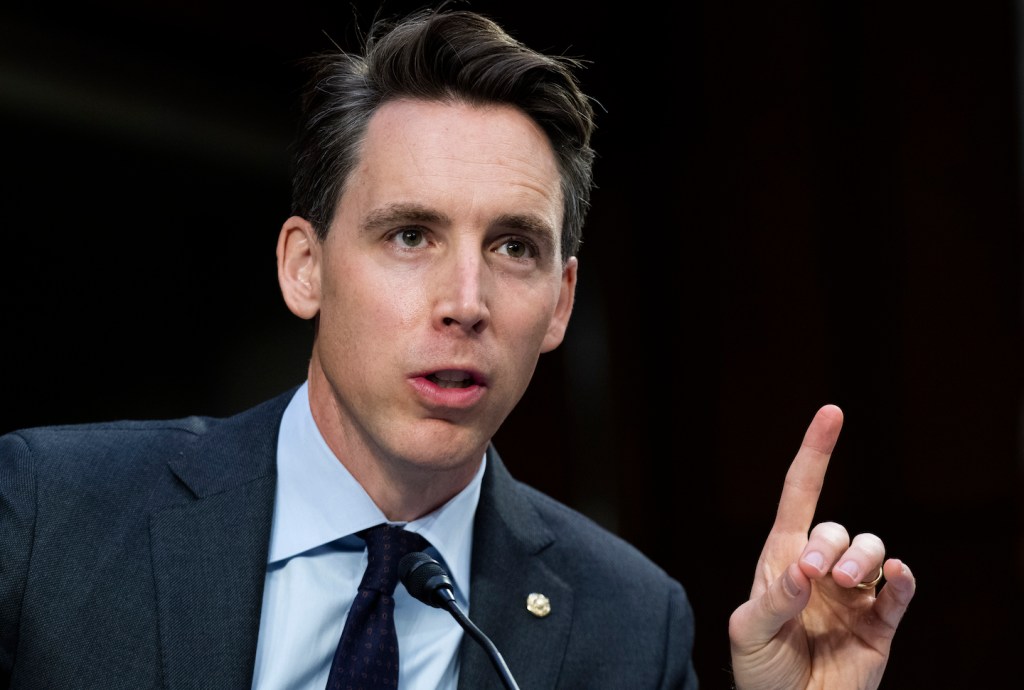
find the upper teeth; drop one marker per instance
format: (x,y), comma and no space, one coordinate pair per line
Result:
(451,375)
(451,379)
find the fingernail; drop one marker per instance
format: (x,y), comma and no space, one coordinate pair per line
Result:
(791,587)
(851,569)
(814,559)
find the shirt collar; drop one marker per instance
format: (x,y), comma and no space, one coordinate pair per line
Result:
(318,501)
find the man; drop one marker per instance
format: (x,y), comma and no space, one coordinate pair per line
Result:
(440,189)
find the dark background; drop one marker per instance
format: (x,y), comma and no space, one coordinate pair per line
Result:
(798,203)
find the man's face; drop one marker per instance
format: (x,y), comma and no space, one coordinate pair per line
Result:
(440,284)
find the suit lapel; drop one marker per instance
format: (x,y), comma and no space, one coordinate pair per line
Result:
(209,554)
(508,537)
(209,562)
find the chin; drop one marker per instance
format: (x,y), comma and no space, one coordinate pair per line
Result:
(446,448)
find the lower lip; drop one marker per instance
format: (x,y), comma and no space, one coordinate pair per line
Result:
(452,398)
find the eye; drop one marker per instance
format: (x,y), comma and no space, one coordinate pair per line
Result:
(410,237)
(517,249)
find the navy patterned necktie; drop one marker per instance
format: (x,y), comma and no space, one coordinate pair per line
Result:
(367,654)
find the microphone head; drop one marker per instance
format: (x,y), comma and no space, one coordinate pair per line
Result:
(425,579)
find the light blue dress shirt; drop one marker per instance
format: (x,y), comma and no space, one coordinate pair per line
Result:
(315,565)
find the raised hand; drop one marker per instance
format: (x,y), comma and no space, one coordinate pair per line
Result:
(814,618)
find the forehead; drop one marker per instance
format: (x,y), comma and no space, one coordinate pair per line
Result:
(459,158)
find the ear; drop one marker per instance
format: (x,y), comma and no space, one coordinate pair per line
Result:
(563,310)
(298,267)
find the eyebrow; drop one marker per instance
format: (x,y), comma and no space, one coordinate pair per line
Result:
(524,223)
(398,213)
(393,214)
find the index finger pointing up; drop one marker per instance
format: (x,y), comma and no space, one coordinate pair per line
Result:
(807,472)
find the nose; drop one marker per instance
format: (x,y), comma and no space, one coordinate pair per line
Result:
(462,287)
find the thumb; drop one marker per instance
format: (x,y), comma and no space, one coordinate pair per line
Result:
(757,621)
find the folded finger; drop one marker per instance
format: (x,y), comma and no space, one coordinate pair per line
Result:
(860,562)
(895,596)
(826,543)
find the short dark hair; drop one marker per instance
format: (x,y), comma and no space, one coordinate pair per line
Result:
(437,55)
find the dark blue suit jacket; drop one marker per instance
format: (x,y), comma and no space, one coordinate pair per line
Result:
(132,555)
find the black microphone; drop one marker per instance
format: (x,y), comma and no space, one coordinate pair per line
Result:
(427,581)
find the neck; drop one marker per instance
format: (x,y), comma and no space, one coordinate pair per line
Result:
(410,500)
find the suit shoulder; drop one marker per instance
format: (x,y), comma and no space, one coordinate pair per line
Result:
(100,435)
(622,600)
(581,539)
(165,434)
(88,444)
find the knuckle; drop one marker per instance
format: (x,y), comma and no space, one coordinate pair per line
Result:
(869,543)
(832,533)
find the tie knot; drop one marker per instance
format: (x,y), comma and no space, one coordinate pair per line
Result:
(385,546)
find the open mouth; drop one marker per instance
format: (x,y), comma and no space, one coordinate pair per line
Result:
(451,379)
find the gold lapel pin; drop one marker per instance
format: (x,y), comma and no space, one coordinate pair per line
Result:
(538,604)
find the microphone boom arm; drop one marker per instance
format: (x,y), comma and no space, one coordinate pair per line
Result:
(433,587)
(492,651)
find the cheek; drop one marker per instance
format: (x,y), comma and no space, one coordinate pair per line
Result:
(536,308)
(404,308)
(530,320)
(368,310)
